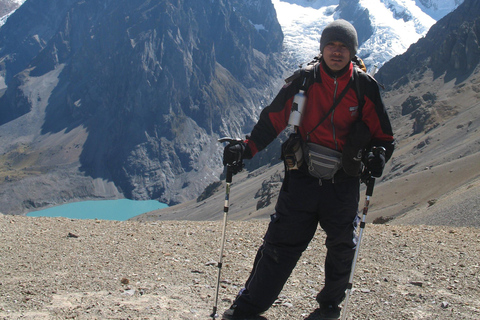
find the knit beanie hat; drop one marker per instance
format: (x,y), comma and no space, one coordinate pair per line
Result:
(343,31)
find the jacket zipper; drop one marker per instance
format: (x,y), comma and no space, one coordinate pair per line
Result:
(333,112)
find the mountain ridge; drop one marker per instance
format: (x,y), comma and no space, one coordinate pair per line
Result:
(148,85)
(141,149)
(436,121)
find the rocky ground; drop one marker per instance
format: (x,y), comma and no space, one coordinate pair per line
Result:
(57,268)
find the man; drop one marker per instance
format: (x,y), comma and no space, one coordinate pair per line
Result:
(332,111)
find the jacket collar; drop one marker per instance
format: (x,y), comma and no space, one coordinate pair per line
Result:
(338,74)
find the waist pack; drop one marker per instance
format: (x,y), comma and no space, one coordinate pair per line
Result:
(322,162)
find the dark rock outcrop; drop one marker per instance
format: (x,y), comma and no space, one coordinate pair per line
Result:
(154,83)
(351,10)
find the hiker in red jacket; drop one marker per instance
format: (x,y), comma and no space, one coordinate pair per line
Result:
(343,119)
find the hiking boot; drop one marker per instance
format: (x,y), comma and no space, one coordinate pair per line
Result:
(328,311)
(238,314)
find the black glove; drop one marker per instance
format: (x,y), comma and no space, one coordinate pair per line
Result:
(375,161)
(233,153)
(353,150)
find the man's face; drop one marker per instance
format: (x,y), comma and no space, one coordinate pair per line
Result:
(336,55)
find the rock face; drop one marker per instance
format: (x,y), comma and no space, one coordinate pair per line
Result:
(434,171)
(153,85)
(351,10)
(449,54)
(451,46)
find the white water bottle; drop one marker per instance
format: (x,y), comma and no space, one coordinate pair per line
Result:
(297,108)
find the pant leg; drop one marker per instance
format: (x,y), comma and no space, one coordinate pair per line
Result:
(339,220)
(290,231)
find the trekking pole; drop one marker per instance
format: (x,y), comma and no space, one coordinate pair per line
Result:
(231,170)
(370,183)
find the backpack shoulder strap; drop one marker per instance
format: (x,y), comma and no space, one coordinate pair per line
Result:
(360,79)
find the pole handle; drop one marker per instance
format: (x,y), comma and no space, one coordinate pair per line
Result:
(370,182)
(229,176)
(237,165)
(367,177)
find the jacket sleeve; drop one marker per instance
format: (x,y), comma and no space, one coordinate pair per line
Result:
(375,115)
(273,120)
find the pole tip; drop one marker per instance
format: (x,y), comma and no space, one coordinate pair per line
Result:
(214,314)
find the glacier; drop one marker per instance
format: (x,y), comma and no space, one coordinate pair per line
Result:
(397,24)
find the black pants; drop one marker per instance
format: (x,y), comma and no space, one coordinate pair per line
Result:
(302,204)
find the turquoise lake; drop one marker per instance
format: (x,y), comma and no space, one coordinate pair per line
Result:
(119,210)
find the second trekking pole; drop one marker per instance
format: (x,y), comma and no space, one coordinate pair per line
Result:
(370,183)
(231,170)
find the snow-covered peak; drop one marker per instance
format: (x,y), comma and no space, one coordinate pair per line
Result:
(437,9)
(302,25)
(8,5)
(396,25)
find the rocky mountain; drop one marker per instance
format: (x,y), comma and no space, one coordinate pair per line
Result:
(450,47)
(432,92)
(127,98)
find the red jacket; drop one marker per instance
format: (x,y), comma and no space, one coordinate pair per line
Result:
(333,131)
